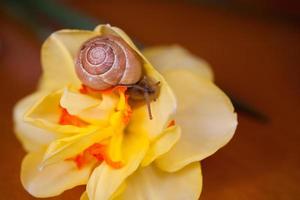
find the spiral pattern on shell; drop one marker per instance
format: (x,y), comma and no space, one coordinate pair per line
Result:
(106,61)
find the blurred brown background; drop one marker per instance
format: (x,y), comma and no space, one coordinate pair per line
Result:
(254,49)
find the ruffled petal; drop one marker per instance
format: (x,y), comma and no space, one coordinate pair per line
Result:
(84,196)
(89,109)
(205,115)
(176,57)
(105,181)
(31,137)
(46,114)
(58,58)
(75,102)
(162,144)
(53,179)
(115,195)
(152,183)
(68,147)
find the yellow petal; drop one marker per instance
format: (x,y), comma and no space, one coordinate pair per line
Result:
(115,146)
(31,137)
(53,179)
(105,180)
(46,113)
(100,114)
(75,102)
(108,29)
(162,144)
(205,115)
(118,192)
(68,147)
(58,58)
(152,183)
(175,56)
(164,106)
(92,110)
(84,196)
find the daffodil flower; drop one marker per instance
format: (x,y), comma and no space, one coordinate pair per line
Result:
(75,135)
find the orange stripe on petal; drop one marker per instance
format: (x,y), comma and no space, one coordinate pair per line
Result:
(96,151)
(171,123)
(83,89)
(68,119)
(113,164)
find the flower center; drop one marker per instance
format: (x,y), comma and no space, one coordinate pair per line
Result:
(98,152)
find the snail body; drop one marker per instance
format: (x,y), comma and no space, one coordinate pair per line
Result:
(107,61)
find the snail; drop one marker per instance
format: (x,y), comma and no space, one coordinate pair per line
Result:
(107,61)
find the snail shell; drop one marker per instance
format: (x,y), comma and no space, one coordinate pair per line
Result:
(106,61)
